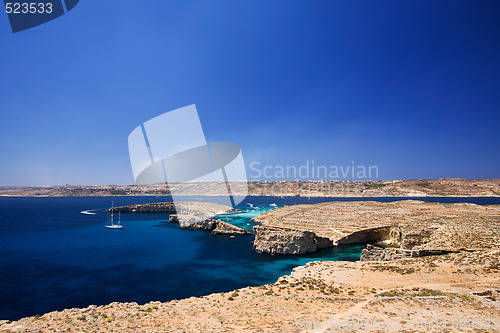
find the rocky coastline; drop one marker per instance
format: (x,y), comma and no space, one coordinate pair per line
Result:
(404,225)
(433,265)
(419,294)
(213,225)
(191,215)
(192,208)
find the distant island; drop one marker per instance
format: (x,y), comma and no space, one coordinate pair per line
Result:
(445,187)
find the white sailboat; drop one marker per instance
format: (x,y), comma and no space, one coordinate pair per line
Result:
(112,224)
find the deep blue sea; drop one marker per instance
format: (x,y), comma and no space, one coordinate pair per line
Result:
(52,256)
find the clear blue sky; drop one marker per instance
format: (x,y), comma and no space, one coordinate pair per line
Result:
(410,86)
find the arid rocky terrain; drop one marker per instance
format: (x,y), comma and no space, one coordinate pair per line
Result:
(407,224)
(454,187)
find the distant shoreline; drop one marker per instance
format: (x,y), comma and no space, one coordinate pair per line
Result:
(416,188)
(208,196)
(250,196)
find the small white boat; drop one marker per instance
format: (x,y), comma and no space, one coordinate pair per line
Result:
(112,224)
(115,226)
(87,212)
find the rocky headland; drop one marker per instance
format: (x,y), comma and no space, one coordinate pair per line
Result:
(192,208)
(214,225)
(405,225)
(189,215)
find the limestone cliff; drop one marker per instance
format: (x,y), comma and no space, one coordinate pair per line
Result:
(284,241)
(224,228)
(216,226)
(408,225)
(374,253)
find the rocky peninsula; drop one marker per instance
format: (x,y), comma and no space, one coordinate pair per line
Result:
(189,215)
(216,226)
(192,208)
(407,225)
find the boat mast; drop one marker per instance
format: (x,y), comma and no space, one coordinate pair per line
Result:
(112,205)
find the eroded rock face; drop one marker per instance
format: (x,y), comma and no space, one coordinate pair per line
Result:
(406,236)
(406,224)
(225,228)
(366,236)
(374,253)
(284,241)
(193,222)
(288,241)
(173,218)
(216,226)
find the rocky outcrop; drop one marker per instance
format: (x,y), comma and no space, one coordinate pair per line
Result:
(366,236)
(199,209)
(173,218)
(278,240)
(409,237)
(375,253)
(408,225)
(224,228)
(160,207)
(286,241)
(192,222)
(216,226)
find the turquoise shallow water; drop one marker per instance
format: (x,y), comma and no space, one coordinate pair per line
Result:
(54,257)
(241,216)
